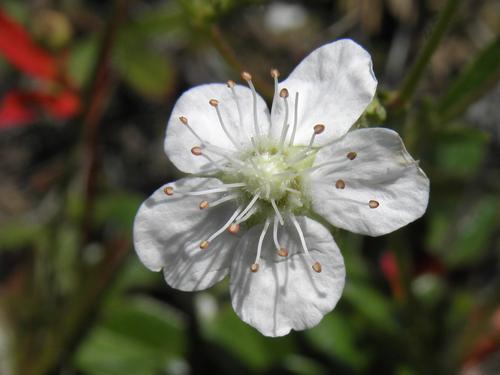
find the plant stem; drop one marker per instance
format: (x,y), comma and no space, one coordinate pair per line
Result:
(97,97)
(416,72)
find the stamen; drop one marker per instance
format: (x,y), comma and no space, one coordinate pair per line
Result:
(275,74)
(317,129)
(185,121)
(215,103)
(295,118)
(340,184)
(316,265)
(246,216)
(223,228)
(273,203)
(294,191)
(231,84)
(284,129)
(282,251)
(204,205)
(373,204)
(204,245)
(255,266)
(225,198)
(249,206)
(248,78)
(351,155)
(222,188)
(168,190)
(221,152)
(196,150)
(234,228)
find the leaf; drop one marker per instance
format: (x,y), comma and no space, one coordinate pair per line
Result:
(136,336)
(336,336)
(254,349)
(81,60)
(143,69)
(372,304)
(480,74)
(15,234)
(20,50)
(117,208)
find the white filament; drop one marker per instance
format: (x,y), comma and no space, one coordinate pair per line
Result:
(261,239)
(273,203)
(295,118)
(226,225)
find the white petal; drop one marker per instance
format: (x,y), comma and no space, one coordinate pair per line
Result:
(335,85)
(382,171)
(202,117)
(286,293)
(168,231)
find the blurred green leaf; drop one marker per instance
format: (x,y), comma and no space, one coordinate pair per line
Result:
(480,74)
(256,350)
(18,233)
(136,336)
(145,70)
(300,365)
(460,152)
(372,304)
(117,208)
(336,336)
(82,59)
(474,231)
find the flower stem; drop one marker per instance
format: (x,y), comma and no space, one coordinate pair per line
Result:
(416,72)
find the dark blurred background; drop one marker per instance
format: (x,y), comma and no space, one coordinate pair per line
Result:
(86,88)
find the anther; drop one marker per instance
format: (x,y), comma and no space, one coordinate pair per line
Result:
(284,93)
(183,119)
(373,204)
(203,205)
(317,267)
(340,184)
(204,245)
(230,83)
(275,73)
(246,76)
(319,128)
(196,150)
(254,267)
(351,155)
(168,190)
(283,252)
(234,228)
(213,102)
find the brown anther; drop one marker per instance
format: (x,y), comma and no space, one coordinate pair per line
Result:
(246,76)
(319,128)
(196,150)
(275,73)
(168,190)
(283,252)
(373,204)
(254,267)
(184,120)
(233,228)
(317,267)
(230,83)
(213,102)
(340,184)
(284,93)
(204,245)
(351,155)
(203,205)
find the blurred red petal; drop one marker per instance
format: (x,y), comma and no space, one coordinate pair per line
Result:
(14,111)
(389,267)
(21,108)
(20,50)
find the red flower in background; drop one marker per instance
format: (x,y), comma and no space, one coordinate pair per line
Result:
(55,98)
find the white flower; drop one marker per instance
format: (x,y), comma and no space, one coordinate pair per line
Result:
(259,179)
